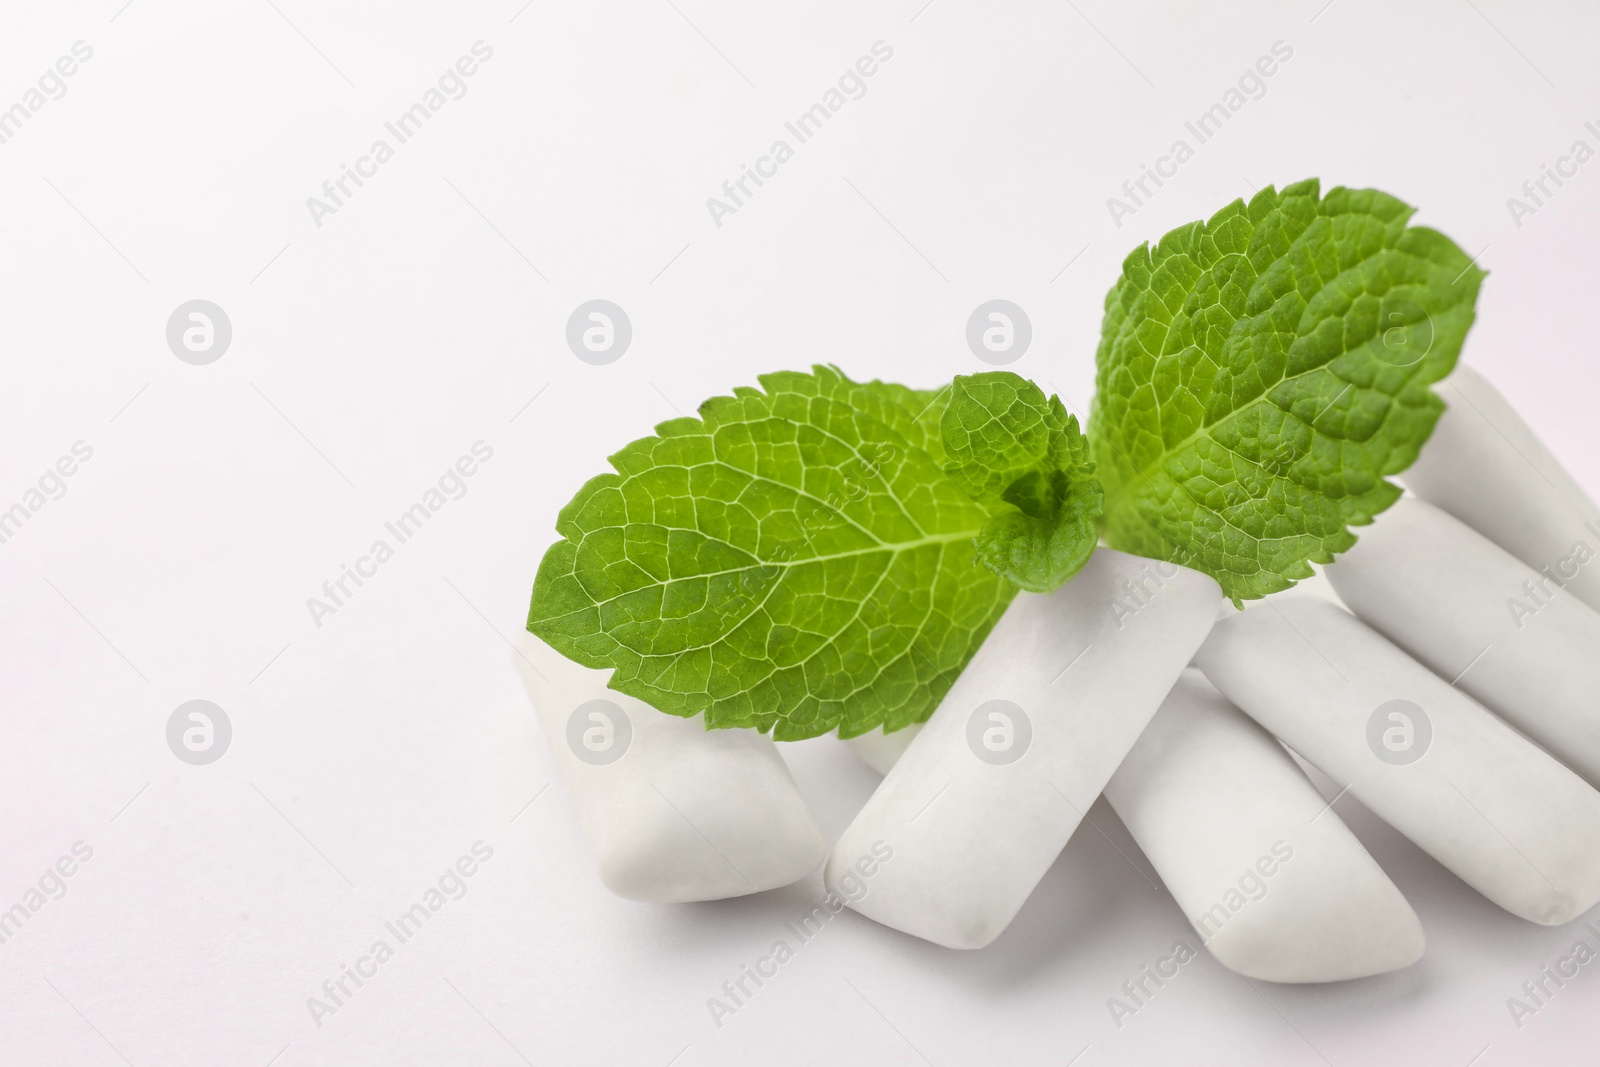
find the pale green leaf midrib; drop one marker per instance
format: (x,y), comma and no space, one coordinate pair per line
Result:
(893,548)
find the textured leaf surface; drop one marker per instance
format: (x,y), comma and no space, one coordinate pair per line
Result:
(1261,373)
(1009,446)
(795,559)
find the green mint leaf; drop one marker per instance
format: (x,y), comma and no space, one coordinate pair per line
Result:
(1008,444)
(1261,373)
(795,560)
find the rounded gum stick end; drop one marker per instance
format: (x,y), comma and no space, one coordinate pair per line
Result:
(1271,958)
(937,930)
(1383,934)
(662,858)
(636,873)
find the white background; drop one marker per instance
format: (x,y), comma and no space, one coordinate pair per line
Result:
(369,353)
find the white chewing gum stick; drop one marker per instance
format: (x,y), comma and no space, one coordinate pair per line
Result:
(1272,880)
(672,811)
(1490,805)
(985,798)
(879,750)
(1487,468)
(1519,645)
